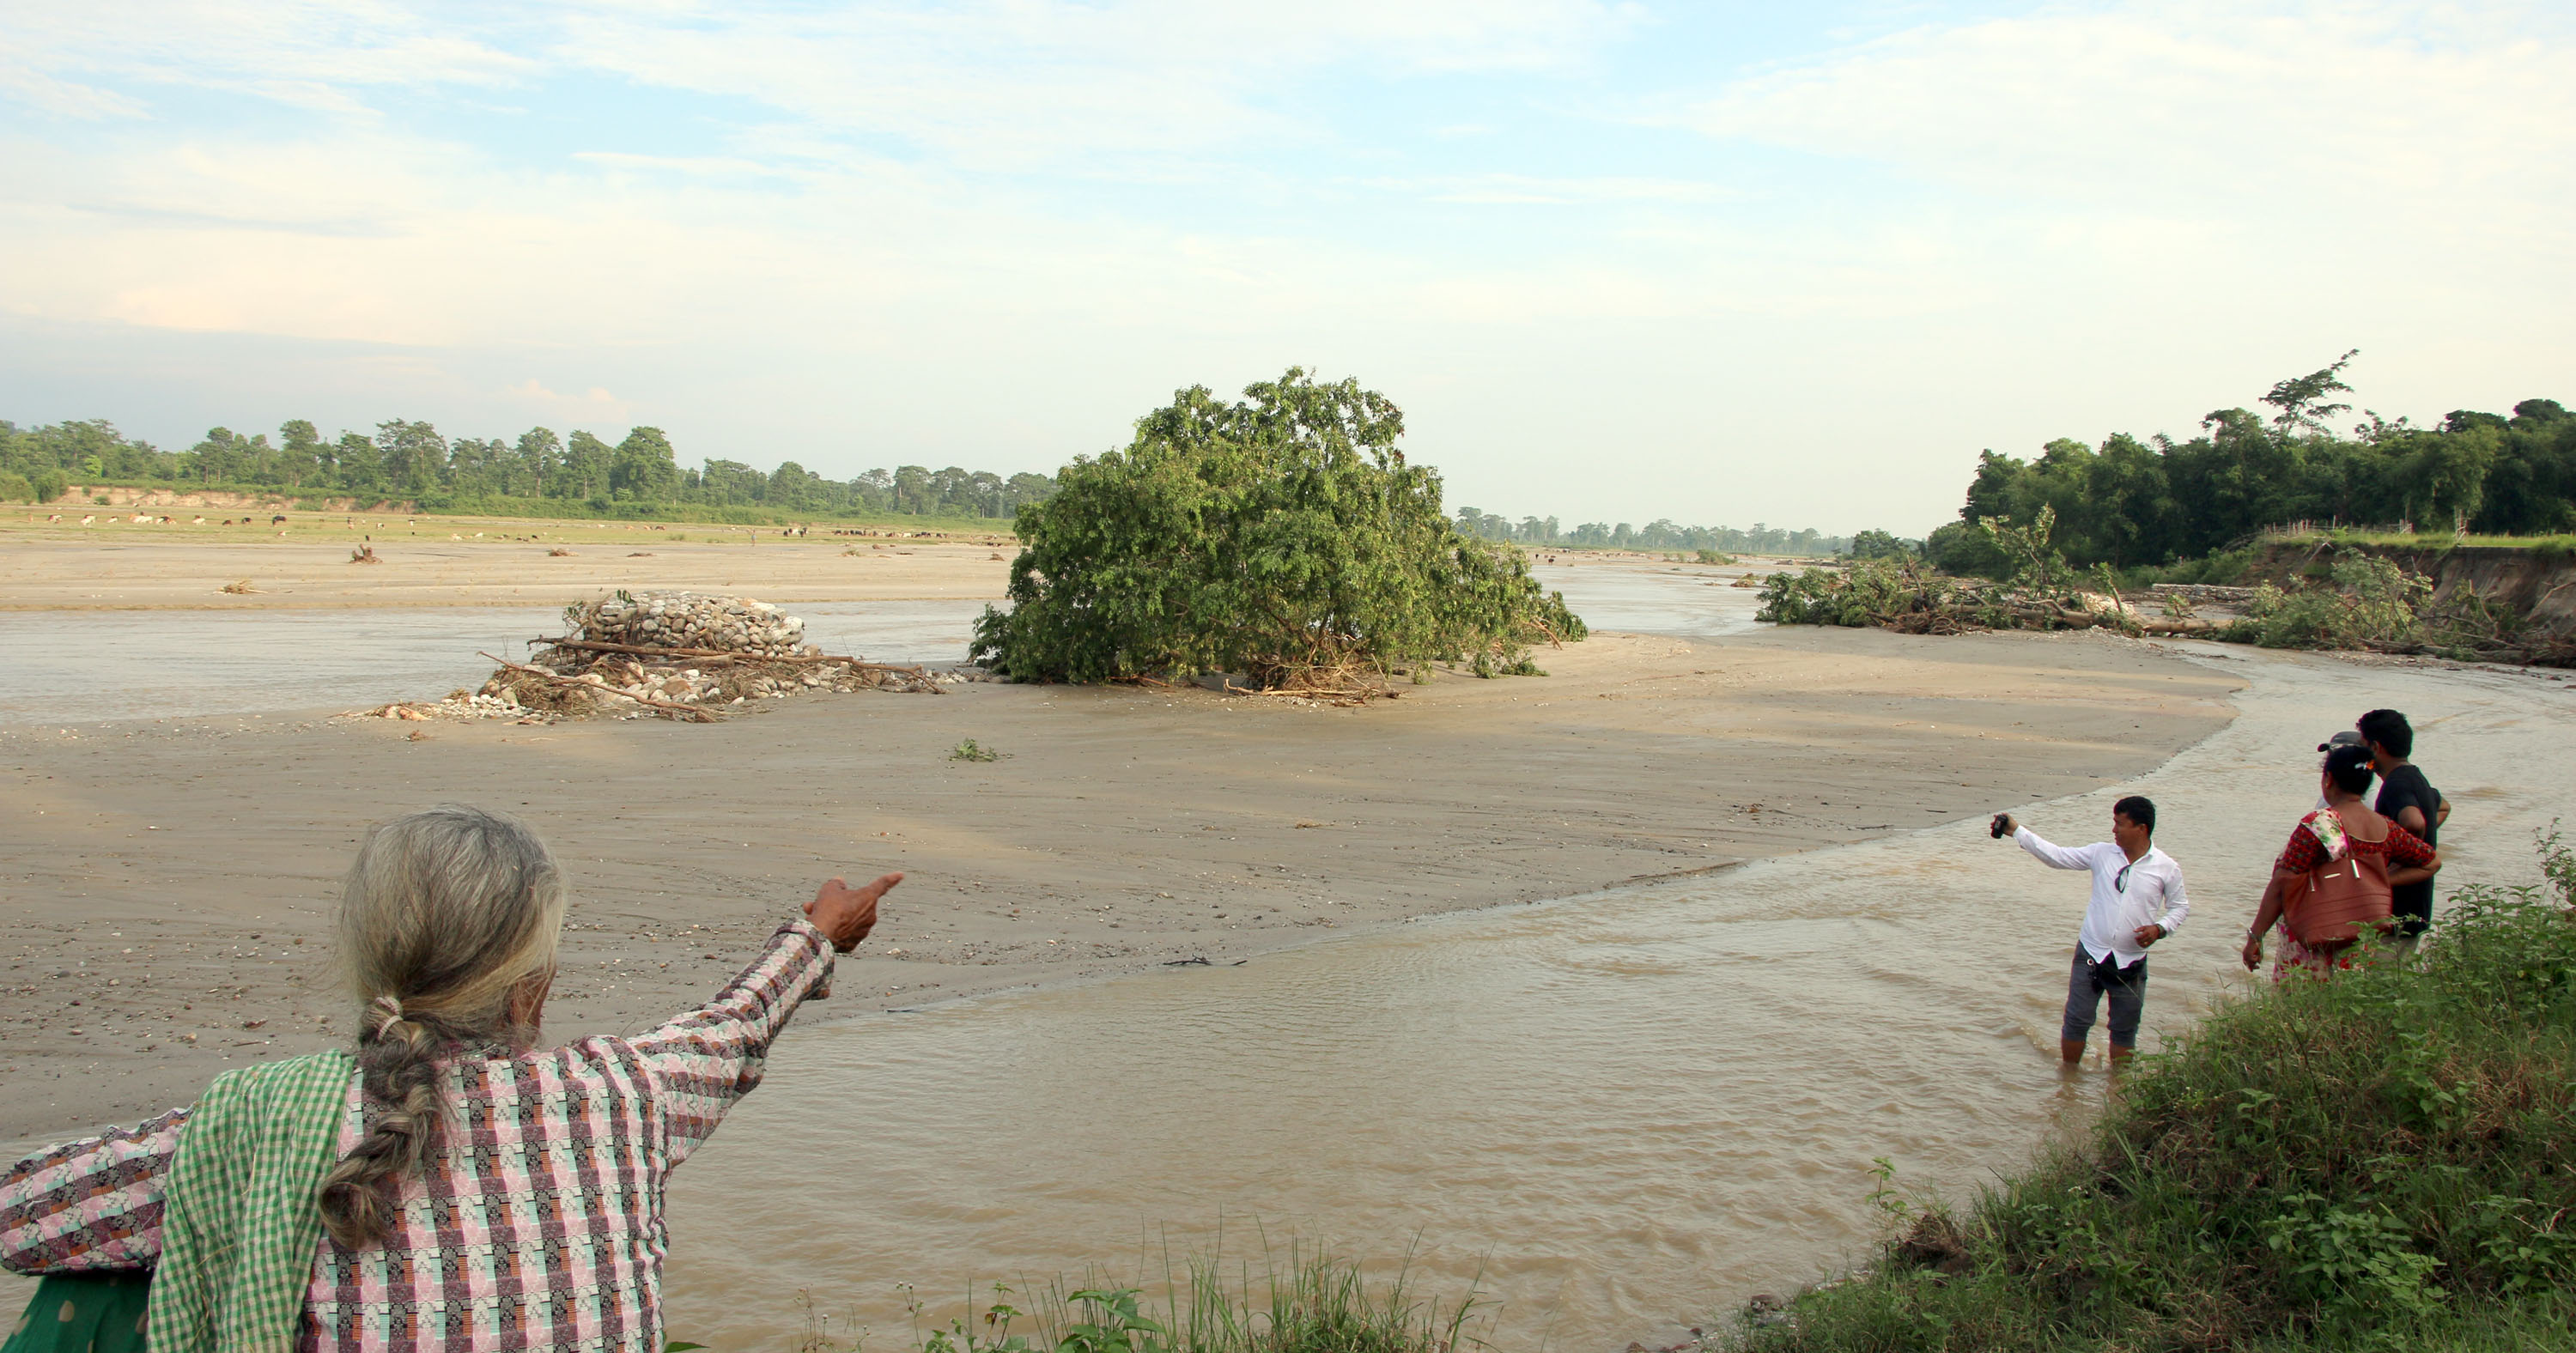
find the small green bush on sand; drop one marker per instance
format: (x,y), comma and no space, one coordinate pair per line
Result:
(1284,537)
(2383,1160)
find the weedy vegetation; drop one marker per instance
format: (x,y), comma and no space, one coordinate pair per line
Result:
(1896,590)
(1297,1302)
(2385,1160)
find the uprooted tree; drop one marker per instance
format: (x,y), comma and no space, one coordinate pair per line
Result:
(1284,537)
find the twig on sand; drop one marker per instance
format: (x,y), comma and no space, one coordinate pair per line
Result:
(695,714)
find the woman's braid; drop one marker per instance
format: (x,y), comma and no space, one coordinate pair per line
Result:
(398,1076)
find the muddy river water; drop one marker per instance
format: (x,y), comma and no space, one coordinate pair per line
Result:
(1612,1114)
(69,667)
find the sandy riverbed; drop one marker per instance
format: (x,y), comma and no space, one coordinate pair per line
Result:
(176,878)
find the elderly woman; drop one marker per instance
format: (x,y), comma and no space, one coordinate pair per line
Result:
(449,1184)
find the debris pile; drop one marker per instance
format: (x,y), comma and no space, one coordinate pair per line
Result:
(672,655)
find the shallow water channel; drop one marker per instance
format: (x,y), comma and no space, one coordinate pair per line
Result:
(71,667)
(1613,1115)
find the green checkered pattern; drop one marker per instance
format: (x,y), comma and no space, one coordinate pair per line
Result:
(242,1216)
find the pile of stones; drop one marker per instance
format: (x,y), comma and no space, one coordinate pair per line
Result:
(691,620)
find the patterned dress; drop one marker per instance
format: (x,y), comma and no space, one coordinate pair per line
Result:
(538,1226)
(2320,840)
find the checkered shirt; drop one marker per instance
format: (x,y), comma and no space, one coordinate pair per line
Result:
(539,1226)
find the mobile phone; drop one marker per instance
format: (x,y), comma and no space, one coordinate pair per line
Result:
(1995,828)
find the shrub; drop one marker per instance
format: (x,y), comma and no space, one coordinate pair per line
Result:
(2364,600)
(1284,537)
(14,486)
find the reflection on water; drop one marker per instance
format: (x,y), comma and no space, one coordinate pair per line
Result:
(86,666)
(1620,1110)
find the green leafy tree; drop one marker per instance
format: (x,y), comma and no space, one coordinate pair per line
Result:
(302,456)
(585,469)
(1283,536)
(413,456)
(2301,401)
(644,469)
(540,457)
(1880,545)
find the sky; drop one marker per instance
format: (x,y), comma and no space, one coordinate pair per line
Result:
(1722,263)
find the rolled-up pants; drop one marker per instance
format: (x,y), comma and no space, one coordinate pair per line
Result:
(2084,990)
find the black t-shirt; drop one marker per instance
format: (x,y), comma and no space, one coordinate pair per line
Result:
(2399,790)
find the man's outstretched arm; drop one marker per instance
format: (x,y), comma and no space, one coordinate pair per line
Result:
(2050,854)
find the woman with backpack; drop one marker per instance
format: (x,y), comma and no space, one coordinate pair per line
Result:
(2336,879)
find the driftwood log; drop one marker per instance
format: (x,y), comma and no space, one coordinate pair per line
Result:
(695,714)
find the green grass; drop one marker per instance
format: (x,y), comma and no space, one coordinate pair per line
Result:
(1294,1301)
(2435,541)
(2384,1160)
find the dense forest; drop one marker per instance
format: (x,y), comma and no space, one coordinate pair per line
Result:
(1654,535)
(2132,502)
(412,460)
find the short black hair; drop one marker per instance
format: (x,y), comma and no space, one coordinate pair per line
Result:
(2140,809)
(2389,729)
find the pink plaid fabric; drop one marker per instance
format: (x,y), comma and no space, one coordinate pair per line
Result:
(540,1227)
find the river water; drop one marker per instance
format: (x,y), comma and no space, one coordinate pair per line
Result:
(70,667)
(1611,1115)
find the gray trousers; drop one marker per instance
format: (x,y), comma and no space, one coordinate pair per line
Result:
(2085,987)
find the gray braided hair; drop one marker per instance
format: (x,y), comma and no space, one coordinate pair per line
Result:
(444,915)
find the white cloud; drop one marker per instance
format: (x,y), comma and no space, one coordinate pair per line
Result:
(2234,106)
(593,407)
(64,98)
(1990,232)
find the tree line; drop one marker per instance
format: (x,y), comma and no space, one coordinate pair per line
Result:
(406,459)
(2131,502)
(1662,534)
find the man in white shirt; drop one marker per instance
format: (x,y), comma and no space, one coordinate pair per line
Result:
(2137,900)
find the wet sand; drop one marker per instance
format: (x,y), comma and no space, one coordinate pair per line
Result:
(166,887)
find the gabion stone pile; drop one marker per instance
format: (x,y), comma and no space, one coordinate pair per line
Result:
(754,629)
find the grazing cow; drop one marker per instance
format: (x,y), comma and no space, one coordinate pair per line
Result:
(278,520)
(56,517)
(88,519)
(198,522)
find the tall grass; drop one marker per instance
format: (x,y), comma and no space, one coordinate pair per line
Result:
(2383,1160)
(1291,1301)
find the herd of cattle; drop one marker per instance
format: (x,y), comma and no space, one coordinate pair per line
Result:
(149,519)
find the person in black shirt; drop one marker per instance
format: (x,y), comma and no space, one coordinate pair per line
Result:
(2409,800)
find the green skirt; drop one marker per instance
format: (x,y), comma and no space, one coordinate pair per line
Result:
(83,1314)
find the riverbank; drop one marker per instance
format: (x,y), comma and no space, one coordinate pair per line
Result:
(2372,1162)
(176,878)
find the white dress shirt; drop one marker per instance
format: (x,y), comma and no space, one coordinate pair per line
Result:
(2126,894)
